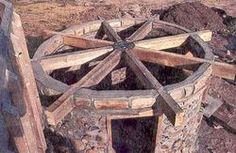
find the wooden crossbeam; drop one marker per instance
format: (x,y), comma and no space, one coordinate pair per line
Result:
(78,41)
(168,105)
(155,43)
(77,58)
(172,41)
(110,32)
(71,59)
(142,32)
(63,105)
(222,70)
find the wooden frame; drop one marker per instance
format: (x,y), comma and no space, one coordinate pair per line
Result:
(145,50)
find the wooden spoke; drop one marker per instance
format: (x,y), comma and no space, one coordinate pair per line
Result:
(79,42)
(145,77)
(168,105)
(223,70)
(110,32)
(141,32)
(57,110)
(172,41)
(71,59)
(100,33)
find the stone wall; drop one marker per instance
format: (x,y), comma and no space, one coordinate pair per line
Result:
(182,139)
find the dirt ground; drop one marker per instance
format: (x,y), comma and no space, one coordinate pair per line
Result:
(57,15)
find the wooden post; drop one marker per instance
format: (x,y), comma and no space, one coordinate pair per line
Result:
(32,120)
(25,126)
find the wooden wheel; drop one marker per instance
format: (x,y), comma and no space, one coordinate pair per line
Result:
(133,50)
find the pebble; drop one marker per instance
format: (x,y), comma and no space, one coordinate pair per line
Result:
(78,144)
(91,151)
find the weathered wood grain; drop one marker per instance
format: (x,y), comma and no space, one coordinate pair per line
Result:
(141,32)
(80,42)
(171,41)
(223,70)
(32,119)
(71,59)
(110,32)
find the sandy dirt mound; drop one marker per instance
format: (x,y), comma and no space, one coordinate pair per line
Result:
(194,16)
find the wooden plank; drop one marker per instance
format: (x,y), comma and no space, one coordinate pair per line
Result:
(100,33)
(91,79)
(169,107)
(46,82)
(113,95)
(80,42)
(142,32)
(13,124)
(223,70)
(115,104)
(49,47)
(71,59)
(171,41)
(110,32)
(31,121)
(145,76)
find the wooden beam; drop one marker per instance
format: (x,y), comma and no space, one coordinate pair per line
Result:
(47,84)
(32,118)
(223,70)
(58,110)
(169,107)
(100,33)
(171,41)
(142,32)
(110,32)
(80,42)
(71,59)
(134,99)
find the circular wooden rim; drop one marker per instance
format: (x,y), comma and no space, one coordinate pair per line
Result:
(52,45)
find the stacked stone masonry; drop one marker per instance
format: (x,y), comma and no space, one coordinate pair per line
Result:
(183,139)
